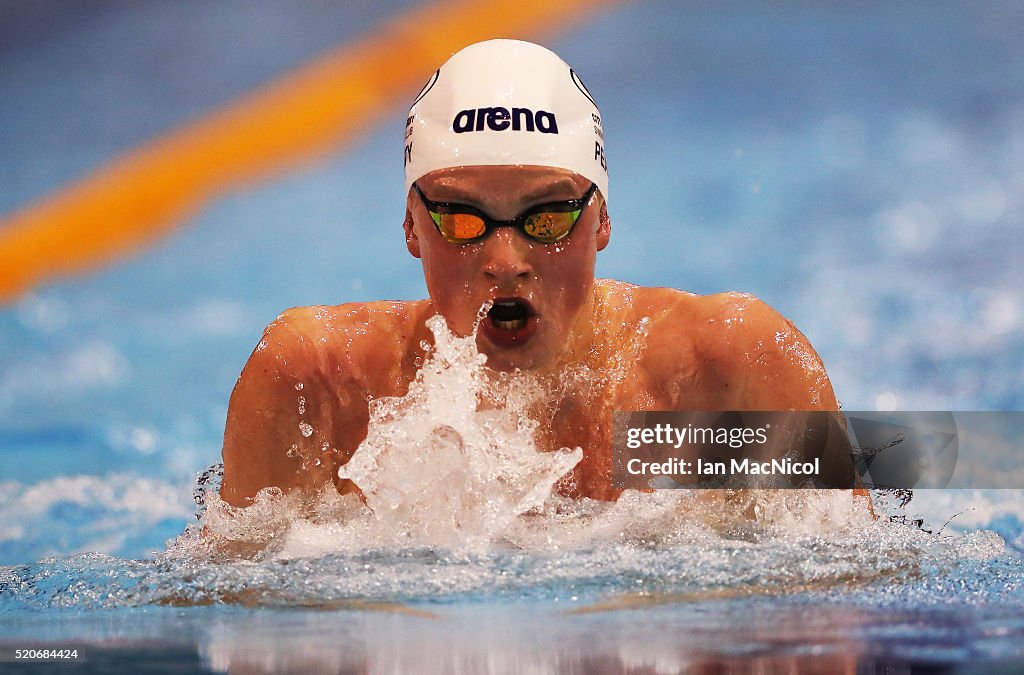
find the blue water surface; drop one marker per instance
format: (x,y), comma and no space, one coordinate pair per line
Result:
(859,166)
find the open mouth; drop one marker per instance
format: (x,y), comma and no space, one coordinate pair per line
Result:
(510,323)
(509,315)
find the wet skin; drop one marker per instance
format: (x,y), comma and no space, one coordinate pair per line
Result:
(299,409)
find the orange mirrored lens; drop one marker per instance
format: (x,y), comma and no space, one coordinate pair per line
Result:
(550,226)
(462,225)
(459,227)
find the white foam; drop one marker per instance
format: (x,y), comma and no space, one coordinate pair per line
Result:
(454,461)
(117,505)
(47,376)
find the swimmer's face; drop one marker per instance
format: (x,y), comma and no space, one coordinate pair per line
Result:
(540,290)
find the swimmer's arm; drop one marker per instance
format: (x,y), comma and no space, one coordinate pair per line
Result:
(731,351)
(277,419)
(774,366)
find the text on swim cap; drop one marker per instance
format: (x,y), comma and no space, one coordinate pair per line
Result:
(500,119)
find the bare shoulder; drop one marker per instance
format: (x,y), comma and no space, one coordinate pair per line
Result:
(354,320)
(354,340)
(299,407)
(774,362)
(735,351)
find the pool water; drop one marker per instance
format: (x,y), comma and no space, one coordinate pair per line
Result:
(857,167)
(460,527)
(622,590)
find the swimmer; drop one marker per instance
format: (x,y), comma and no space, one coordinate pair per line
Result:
(507,208)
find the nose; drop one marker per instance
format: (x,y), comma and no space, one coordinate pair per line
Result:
(506,257)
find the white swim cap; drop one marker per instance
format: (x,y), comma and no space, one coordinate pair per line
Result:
(505,102)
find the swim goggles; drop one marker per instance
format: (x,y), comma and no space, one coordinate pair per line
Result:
(545,223)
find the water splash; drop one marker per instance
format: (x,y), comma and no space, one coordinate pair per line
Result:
(454,462)
(636,550)
(459,504)
(454,465)
(646,548)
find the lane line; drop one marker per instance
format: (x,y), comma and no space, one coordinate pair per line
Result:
(316,109)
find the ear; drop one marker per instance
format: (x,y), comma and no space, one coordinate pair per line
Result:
(604,227)
(412,242)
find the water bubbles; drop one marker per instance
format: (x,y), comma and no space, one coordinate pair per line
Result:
(1001,312)
(140,439)
(887,401)
(306,429)
(984,203)
(298,386)
(302,405)
(208,482)
(438,468)
(481,314)
(144,440)
(44,313)
(912,227)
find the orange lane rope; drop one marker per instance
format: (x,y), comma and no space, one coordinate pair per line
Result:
(315,109)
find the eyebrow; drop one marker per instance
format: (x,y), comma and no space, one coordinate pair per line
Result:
(545,194)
